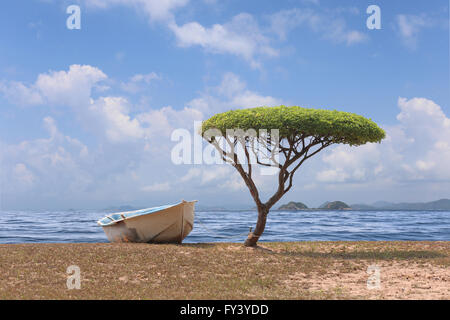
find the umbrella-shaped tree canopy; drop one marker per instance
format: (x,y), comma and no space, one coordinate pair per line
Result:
(337,126)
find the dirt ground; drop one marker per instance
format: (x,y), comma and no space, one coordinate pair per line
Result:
(281,270)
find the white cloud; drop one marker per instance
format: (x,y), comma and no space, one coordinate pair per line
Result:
(130,152)
(416,149)
(409,26)
(284,21)
(108,116)
(52,166)
(231,93)
(118,126)
(332,175)
(156,10)
(330,25)
(162,122)
(69,87)
(72,88)
(23,175)
(338,33)
(139,81)
(20,94)
(422,112)
(134,156)
(241,37)
(213,174)
(191,174)
(157,187)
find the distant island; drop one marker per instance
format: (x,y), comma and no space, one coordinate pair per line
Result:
(335,205)
(442,204)
(297,206)
(293,206)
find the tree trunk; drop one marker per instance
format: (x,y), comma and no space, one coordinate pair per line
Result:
(253,237)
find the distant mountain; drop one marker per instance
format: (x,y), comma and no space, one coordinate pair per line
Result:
(381,204)
(443,204)
(293,206)
(335,205)
(361,206)
(324,205)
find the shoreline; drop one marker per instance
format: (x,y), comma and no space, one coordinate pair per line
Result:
(223,270)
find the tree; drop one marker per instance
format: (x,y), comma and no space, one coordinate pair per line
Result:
(284,138)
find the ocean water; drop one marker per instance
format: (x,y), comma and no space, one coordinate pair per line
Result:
(232,226)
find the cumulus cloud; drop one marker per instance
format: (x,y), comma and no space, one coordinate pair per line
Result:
(23,175)
(220,176)
(330,25)
(132,156)
(70,88)
(130,153)
(241,37)
(161,122)
(109,116)
(55,162)
(245,35)
(232,92)
(113,113)
(138,82)
(20,94)
(417,149)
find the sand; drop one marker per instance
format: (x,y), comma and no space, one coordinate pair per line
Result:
(296,270)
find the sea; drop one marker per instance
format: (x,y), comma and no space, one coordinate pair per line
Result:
(233,226)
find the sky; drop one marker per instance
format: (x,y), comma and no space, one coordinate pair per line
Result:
(87,115)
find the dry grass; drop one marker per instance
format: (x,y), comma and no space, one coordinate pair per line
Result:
(300,270)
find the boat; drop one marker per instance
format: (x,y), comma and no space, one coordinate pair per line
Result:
(164,224)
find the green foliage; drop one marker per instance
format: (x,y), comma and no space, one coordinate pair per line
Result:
(338,126)
(293,206)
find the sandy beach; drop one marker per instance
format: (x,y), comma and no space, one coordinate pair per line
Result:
(296,270)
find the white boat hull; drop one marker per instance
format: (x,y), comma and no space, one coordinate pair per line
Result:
(169,225)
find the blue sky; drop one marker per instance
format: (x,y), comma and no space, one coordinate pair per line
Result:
(86,115)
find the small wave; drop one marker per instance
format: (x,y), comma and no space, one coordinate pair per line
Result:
(231,226)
